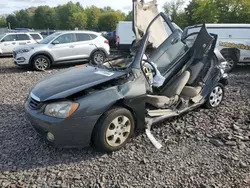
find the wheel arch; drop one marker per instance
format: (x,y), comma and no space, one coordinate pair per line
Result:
(42,53)
(119,103)
(234,51)
(99,49)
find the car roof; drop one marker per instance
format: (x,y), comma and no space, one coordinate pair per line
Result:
(89,32)
(224,25)
(13,33)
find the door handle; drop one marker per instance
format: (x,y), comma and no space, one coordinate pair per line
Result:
(13,43)
(91,44)
(71,46)
(28,42)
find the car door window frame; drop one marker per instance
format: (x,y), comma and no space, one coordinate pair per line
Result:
(32,35)
(171,41)
(73,38)
(17,38)
(86,34)
(8,36)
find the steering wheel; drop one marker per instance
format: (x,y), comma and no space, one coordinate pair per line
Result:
(148,69)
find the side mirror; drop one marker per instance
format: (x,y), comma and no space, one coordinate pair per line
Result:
(55,42)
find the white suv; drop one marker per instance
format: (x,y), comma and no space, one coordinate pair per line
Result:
(63,47)
(9,41)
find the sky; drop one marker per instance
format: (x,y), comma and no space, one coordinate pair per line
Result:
(9,6)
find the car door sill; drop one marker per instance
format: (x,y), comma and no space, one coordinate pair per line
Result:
(72,60)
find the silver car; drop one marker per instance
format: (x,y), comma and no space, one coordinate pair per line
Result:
(63,47)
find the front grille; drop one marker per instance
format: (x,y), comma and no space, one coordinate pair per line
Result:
(14,54)
(33,104)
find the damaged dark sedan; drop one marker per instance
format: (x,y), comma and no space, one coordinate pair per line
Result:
(102,105)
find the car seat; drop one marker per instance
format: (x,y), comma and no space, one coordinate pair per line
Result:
(170,95)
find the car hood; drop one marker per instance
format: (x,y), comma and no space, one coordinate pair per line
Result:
(143,14)
(29,46)
(72,81)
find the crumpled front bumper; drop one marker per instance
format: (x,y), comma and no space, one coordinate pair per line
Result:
(67,133)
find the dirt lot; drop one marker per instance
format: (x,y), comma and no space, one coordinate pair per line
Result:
(204,148)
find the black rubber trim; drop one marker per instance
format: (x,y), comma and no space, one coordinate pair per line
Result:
(42,53)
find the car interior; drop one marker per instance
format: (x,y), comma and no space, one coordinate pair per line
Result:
(185,79)
(185,70)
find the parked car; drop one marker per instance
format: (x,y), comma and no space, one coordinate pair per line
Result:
(111,37)
(36,36)
(46,33)
(104,104)
(63,47)
(9,41)
(233,41)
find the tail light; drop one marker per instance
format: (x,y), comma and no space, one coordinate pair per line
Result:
(106,42)
(117,40)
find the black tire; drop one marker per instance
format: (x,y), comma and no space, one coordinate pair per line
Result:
(45,63)
(209,103)
(103,125)
(98,57)
(232,61)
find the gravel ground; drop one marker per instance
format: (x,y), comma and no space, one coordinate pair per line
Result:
(204,148)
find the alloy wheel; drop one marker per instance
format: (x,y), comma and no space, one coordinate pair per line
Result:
(216,96)
(41,63)
(230,64)
(118,131)
(99,58)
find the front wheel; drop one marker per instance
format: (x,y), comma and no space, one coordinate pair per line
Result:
(215,98)
(41,63)
(113,130)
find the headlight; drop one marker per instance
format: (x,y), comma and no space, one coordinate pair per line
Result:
(23,51)
(61,109)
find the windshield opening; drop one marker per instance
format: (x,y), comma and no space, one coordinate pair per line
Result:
(49,38)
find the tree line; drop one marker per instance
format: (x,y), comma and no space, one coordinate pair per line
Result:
(73,15)
(65,17)
(208,11)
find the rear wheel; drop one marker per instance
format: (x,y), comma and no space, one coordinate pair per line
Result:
(98,57)
(113,130)
(215,97)
(232,61)
(41,63)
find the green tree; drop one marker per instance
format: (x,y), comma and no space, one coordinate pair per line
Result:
(189,11)
(233,11)
(12,20)
(206,12)
(79,20)
(174,9)
(107,9)
(44,18)
(108,21)
(129,16)
(24,19)
(65,14)
(93,14)
(3,22)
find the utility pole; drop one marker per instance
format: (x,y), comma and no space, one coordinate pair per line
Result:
(9,26)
